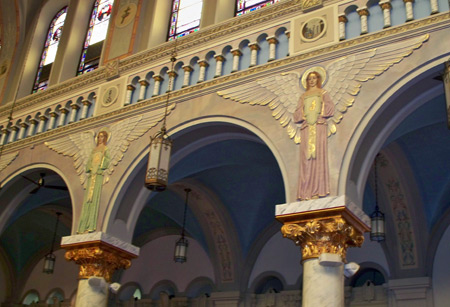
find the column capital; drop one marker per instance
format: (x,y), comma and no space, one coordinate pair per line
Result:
(53,114)
(342,18)
(172,73)
(23,124)
(363,11)
(406,1)
(158,78)
(33,121)
(43,118)
(203,63)
(98,254)
(236,52)
(63,110)
(254,46)
(272,40)
(143,82)
(130,87)
(187,68)
(86,102)
(15,128)
(385,5)
(325,225)
(219,58)
(74,106)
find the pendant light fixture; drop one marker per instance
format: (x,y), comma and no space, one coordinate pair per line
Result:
(182,244)
(50,258)
(157,173)
(377,232)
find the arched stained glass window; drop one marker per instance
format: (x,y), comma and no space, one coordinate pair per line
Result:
(185,19)
(245,6)
(51,46)
(96,34)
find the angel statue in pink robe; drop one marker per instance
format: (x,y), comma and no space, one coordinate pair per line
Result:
(310,105)
(313,110)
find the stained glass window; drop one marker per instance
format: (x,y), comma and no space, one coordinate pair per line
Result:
(185,19)
(50,49)
(245,6)
(96,34)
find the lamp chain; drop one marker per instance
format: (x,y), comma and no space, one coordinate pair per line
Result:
(173,60)
(185,210)
(56,228)
(376,181)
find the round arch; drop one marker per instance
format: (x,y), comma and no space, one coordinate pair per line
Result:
(123,227)
(371,133)
(12,179)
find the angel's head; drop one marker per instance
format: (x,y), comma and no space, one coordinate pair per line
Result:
(102,137)
(314,79)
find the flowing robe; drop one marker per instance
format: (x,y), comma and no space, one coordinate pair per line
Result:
(313,109)
(97,163)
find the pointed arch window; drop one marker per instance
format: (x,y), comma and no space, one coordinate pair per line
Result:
(246,6)
(95,36)
(185,18)
(50,48)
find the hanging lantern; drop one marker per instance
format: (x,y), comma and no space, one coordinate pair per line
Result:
(49,263)
(182,244)
(377,222)
(157,174)
(50,258)
(181,250)
(377,217)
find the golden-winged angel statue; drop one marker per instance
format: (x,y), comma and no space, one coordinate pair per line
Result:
(96,155)
(311,105)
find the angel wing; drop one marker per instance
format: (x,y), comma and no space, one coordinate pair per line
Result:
(6,159)
(347,74)
(280,93)
(128,130)
(79,146)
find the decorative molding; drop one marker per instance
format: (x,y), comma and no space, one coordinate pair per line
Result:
(214,33)
(433,23)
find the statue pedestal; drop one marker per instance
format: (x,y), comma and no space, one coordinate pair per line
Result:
(99,255)
(323,228)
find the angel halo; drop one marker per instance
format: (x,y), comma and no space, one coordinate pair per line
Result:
(317,69)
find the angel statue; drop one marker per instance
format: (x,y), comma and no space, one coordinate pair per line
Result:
(311,104)
(97,163)
(95,160)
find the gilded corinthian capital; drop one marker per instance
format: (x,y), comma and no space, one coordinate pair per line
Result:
(97,261)
(318,236)
(326,225)
(98,254)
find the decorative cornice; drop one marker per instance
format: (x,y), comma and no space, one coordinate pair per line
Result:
(432,23)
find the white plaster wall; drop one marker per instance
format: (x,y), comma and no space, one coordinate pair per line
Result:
(280,255)
(441,272)
(155,263)
(369,252)
(64,277)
